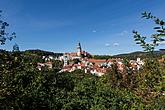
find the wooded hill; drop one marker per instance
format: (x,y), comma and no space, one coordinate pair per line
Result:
(143,55)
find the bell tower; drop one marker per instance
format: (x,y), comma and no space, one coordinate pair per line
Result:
(79,49)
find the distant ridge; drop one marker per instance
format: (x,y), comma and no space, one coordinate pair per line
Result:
(42,52)
(140,54)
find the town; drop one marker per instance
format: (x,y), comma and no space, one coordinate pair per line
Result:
(84,61)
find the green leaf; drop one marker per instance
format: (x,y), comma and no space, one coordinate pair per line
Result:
(163,77)
(138,42)
(161,39)
(162,35)
(160,31)
(157,27)
(162,22)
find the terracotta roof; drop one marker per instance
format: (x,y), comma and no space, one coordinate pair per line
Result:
(67,67)
(110,60)
(75,53)
(82,64)
(44,63)
(72,54)
(97,60)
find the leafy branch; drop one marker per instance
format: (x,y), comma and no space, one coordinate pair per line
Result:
(156,38)
(3,34)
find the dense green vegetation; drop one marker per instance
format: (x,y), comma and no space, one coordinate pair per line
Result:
(38,52)
(23,86)
(133,55)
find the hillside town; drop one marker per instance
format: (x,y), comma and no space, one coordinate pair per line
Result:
(84,61)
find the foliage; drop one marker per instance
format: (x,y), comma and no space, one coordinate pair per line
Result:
(76,61)
(3,34)
(139,54)
(125,78)
(163,56)
(57,64)
(15,48)
(38,52)
(156,38)
(24,87)
(150,80)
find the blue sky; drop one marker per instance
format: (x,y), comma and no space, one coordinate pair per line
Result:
(102,26)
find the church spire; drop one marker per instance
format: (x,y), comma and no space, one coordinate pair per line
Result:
(79,49)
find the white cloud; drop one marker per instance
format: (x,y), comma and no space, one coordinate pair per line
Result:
(115,44)
(107,44)
(94,31)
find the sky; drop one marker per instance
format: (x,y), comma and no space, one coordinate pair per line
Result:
(103,27)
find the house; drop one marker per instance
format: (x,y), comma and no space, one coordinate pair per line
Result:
(47,64)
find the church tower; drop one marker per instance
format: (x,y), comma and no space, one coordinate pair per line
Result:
(65,60)
(79,49)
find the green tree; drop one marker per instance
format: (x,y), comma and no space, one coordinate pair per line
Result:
(150,79)
(15,48)
(3,34)
(76,61)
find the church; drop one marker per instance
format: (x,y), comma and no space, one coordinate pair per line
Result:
(76,55)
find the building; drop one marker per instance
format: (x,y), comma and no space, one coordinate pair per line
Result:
(75,55)
(97,67)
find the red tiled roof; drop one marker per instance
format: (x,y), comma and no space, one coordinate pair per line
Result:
(67,67)
(82,64)
(44,63)
(97,60)
(72,54)
(75,53)
(110,60)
